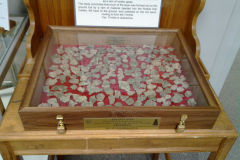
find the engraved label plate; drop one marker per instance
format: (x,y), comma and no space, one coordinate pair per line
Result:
(122,123)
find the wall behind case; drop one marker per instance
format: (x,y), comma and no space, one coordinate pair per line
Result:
(218,31)
(16,7)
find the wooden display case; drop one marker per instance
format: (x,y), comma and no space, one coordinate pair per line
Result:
(177,30)
(203,115)
(179,18)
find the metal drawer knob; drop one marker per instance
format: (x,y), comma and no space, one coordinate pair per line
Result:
(60,125)
(181,126)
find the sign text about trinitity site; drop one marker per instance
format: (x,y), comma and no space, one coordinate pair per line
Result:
(118,13)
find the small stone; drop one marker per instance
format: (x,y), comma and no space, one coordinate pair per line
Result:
(79,98)
(142,85)
(108,90)
(141,58)
(125,60)
(191,102)
(159,89)
(150,93)
(141,97)
(185,85)
(140,91)
(92,99)
(52,74)
(53,67)
(150,103)
(74,81)
(118,104)
(140,51)
(130,93)
(113,81)
(143,65)
(65,98)
(151,86)
(188,93)
(46,89)
(147,71)
(160,100)
(129,101)
(100,104)
(177,98)
(111,99)
(138,103)
(180,89)
(124,85)
(52,101)
(83,78)
(124,98)
(117,94)
(100,97)
(166,103)
(75,70)
(81,89)
(174,87)
(72,103)
(87,104)
(168,96)
(170,49)
(73,62)
(164,51)
(50,81)
(73,87)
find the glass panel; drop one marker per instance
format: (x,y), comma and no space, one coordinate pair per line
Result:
(86,69)
(6,38)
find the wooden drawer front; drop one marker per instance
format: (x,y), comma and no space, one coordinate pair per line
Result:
(169,119)
(41,147)
(101,146)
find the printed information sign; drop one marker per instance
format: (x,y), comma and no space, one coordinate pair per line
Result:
(4,16)
(118,13)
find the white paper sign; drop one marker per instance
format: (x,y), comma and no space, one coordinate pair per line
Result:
(4,16)
(118,13)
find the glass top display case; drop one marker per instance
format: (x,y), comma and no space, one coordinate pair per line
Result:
(84,73)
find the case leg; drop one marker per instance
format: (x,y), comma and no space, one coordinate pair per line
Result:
(60,157)
(51,157)
(167,156)
(223,149)
(7,153)
(155,156)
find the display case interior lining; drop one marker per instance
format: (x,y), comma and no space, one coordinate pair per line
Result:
(141,59)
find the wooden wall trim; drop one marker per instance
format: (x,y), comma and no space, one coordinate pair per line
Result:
(196,39)
(35,32)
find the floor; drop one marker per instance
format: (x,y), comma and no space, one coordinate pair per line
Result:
(229,97)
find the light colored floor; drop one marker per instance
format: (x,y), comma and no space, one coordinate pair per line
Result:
(229,97)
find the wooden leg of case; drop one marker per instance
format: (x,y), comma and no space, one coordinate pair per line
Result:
(223,149)
(51,157)
(155,156)
(7,153)
(167,156)
(60,157)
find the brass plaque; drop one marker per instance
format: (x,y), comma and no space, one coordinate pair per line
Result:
(122,123)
